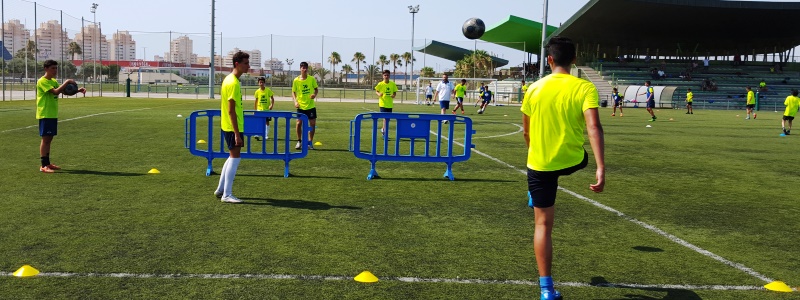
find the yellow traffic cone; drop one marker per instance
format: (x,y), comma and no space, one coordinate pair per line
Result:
(778,286)
(154,171)
(201,141)
(26,271)
(317,144)
(366,277)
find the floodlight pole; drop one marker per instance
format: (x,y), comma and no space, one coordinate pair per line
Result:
(211,63)
(542,57)
(94,56)
(413,10)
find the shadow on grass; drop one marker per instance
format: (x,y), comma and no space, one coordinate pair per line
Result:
(299,204)
(101,173)
(672,294)
(330,150)
(445,179)
(291,176)
(648,249)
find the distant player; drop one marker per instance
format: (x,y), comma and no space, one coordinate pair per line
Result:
(792,104)
(461,92)
(486,99)
(304,93)
(555,111)
(617,102)
(444,90)
(751,103)
(232,124)
(651,102)
(265,100)
(523,87)
(480,94)
(428,94)
(386,91)
(47,91)
(689,99)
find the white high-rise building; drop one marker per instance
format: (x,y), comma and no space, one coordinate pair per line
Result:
(123,47)
(273,64)
(93,44)
(15,36)
(255,58)
(53,43)
(181,51)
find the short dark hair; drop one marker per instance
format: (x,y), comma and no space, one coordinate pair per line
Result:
(387,72)
(238,57)
(749,88)
(262,79)
(304,64)
(463,80)
(562,49)
(49,63)
(689,89)
(615,89)
(647,82)
(794,92)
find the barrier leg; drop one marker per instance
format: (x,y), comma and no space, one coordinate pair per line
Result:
(449,172)
(286,169)
(372,172)
(208,169)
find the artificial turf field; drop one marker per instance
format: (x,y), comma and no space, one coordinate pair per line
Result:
(102,228)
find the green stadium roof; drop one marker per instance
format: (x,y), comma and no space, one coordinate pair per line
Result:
(703,27)
(517,33)
(453,53)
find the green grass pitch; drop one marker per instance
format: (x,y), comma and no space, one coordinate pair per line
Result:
(713,179)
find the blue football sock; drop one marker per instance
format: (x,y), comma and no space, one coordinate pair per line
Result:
(546,283)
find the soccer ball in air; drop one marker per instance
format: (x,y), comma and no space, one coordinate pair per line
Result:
(473,28)
(70,89)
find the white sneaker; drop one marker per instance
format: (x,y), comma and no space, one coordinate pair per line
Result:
(266,137)
(217,194)
(231,199)
(298,146)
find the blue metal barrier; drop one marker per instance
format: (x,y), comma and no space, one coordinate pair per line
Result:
(411,129)
(278,146)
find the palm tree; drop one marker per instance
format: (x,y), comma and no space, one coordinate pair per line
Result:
(395,59)
(407,57)
(427,72)
(334,59)
(322,73)
(372,73)
(382,60)
(74,49)
(358,58)
(346,69)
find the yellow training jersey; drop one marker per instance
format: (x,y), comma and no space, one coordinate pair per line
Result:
(303,90)
(386,101)
(46,102)
(751,98)
(263,99)
(461,90)
(689,97)
(555,106)
(231,89)
(792,104)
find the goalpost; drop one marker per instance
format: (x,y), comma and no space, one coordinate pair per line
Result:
(473,86)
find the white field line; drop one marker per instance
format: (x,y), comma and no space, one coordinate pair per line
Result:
(78,118)
(401,279)
(652,228)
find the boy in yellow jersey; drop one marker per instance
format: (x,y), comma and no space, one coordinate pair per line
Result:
(461,91)
(555,109)
(386,91)
(47,91)
(689,99)
(232,124)
(792,104)
(523,87)
(265,100)
(304,93)
(751,103)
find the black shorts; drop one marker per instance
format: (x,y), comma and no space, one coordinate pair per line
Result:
(617,103)
(788,118)
(460,99)
(751,106)
(542,185)
(230,139)
(48,127)
(689,103)
(444,104)
(384,109)
(428,97)
(651,103)
(310,113)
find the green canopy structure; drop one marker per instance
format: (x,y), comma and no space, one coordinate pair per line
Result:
(453,53)
(518,33)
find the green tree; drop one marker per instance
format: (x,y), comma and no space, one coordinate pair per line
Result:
(321,73)
(395,59)
(358,58)
(334,60)
(346,69)
(67,68)
(407,57)
(372,74)
(74,49)
(29,51)
(427,72)
(113,71)
(383,60)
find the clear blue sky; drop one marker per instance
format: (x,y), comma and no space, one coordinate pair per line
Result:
(348,26)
